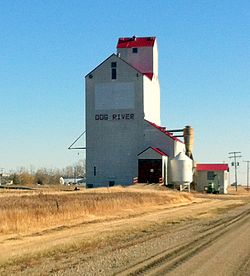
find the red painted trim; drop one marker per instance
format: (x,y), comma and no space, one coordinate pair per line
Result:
(149,75)
(134,42)
(162,153)
(212,167)
(159,151)
(163,130)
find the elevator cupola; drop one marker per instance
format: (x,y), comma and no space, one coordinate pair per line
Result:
(141,53)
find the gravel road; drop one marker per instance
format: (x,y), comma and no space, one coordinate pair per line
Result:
(212,247)
(210,242)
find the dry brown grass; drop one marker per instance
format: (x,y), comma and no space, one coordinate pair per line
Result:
(22,212)
(241,190)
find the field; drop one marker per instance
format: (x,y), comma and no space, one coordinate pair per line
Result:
(106,231)
(23,212)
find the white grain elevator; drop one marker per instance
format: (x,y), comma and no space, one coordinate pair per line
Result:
(123,117)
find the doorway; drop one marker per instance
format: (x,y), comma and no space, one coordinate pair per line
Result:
(149,170)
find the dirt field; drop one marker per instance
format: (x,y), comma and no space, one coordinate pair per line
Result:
(180,235)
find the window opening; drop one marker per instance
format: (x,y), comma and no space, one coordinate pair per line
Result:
(134,50)
(211,175)
(113,73)
(111,183)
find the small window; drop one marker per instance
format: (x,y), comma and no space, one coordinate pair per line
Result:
(95,171)
(113,73)
(90,186)
(134,50)
(113,64)
(210,175)
(111,183)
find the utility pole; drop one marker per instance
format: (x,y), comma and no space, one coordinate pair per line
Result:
(1,175)
(235,155)
(248,161)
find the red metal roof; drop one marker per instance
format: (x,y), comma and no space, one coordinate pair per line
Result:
(163,130)
(162,153)
(131,42)
(159,151)
(212,167)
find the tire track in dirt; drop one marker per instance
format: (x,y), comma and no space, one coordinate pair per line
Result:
(168,260)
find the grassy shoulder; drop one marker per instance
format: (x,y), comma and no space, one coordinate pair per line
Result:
(37,210)
(54,223)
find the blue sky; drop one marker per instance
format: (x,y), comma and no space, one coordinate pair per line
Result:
(47,47)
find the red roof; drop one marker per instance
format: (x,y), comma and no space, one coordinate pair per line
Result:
(159,151)
(131,42)
(212,167)
(162,153)
(163,130)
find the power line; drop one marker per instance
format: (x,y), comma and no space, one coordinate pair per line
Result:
(235,155)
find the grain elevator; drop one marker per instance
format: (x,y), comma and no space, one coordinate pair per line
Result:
(124,140)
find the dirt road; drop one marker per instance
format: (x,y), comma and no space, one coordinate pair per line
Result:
(222,249)
(208,237)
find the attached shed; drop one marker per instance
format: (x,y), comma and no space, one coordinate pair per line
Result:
(207,174)
(152,166)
